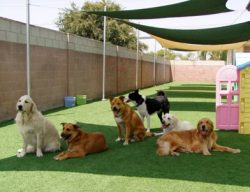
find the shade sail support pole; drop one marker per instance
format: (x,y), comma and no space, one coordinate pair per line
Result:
(154,70)
(104,56)
(28,70)
(137,59)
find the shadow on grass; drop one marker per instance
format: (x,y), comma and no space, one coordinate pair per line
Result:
(140,160)
(198,85)
(194,88)
(6,123)
(192,106)
(189,94)
(199,92)
(189,105)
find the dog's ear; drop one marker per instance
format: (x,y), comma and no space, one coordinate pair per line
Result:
(76,126)
(210,123)
(63,124)
(198,124)
(122,98)
(136,91)
(173,117)
(111,99)
(33,107)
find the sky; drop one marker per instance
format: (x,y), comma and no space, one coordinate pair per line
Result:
(44,14)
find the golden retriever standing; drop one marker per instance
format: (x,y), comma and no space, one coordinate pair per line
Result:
(127,120)
(200,140)
(39,135)
(80,143)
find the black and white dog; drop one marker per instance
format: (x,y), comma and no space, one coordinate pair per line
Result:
(148,106)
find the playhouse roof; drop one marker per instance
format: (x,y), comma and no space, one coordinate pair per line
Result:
(243,66)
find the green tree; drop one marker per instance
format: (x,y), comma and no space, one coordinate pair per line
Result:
(169,54)
(213,55)
(77,21)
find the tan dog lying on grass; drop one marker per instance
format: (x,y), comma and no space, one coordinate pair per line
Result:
(80,143)
(127,120)
(200,140)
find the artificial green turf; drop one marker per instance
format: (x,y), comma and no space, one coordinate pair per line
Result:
(135,167)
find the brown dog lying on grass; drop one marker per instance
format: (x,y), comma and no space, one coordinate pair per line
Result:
(80,143)
(200,140)
(127,120)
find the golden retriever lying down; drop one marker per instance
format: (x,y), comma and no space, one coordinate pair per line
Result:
(200,140)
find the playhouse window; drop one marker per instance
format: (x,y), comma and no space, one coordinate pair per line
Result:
(223,86)
(224,99)
(235,86)
(235,99)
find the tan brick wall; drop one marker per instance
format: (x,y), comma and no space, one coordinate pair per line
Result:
(48,76)
(85,74)
(12,77)
(195,71)
(68,65)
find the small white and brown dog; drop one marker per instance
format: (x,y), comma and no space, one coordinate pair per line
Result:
(171,123)
(39,135)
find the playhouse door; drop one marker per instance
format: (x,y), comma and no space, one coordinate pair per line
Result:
(227,98)
(227,117)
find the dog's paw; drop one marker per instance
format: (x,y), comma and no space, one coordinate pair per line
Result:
(125,143)
(118,139)
(56,157)
(20,153)
(207,154)
(132,140)
(175,154)
(236,151)
(39,154)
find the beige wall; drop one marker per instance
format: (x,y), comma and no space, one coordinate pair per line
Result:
(68,65)
(195,71)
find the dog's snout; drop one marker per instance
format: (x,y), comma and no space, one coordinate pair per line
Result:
(115,109)
(20,107)
(163,121)
(203,127)
(65,136)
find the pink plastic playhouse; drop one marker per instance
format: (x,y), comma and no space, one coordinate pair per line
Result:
(227,98)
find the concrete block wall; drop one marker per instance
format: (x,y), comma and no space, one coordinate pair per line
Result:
(195,71)
(62,65)
(68,65)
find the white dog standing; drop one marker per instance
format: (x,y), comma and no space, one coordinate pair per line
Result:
(39,135)
(171,123)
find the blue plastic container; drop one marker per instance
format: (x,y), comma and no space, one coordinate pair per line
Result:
(69,101)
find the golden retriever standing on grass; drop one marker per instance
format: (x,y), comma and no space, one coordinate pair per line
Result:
(127,120)
(39,135)
(200,140)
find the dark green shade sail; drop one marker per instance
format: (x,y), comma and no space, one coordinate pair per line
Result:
(211,36)
(187,8)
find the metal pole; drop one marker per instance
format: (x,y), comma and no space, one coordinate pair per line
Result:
(28,48)
(137,60)
(164,62)
(154,63)
(104,57)
(230,57)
